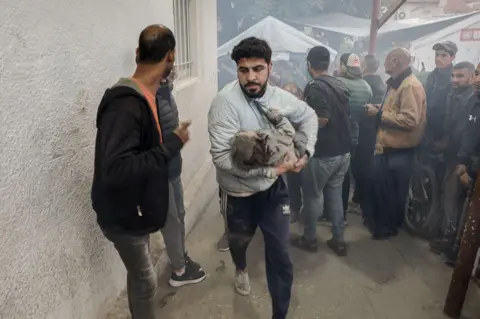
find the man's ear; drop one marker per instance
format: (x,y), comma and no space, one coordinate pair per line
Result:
(137,52)
(171,56)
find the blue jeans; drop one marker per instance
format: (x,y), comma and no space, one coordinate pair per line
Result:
(322,181)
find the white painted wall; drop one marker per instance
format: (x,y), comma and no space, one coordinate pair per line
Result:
(56,59)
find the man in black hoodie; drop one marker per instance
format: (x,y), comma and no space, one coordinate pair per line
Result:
(130,191)
(324,174)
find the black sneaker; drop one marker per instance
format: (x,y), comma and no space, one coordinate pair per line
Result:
(192,275)
(222,244)
(304,244)
(194,264)
(339,247)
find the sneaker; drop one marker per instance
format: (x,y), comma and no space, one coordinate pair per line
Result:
(339,247)
(194,264)
(304,244)
(242,283)
(222,244)
(192,275)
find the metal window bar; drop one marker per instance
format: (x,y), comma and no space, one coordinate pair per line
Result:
(184,63)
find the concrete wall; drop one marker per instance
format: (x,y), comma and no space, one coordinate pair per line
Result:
(56,59)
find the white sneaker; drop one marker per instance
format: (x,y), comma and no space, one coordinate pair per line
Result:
(242,283)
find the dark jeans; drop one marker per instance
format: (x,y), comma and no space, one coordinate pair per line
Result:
(453,197)
(141,278)
(269,210)
(391,173)
(362,160)
(294,182)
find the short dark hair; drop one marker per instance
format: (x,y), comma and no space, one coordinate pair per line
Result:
(252,48)
(465,65)
(319,58)
(154,43)
(371,63)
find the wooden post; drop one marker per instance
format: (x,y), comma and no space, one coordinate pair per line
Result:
(466,257)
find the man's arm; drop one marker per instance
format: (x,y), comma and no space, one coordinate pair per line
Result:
(223,125)
(316,98)
(408,116)
(119,134)
(304,119)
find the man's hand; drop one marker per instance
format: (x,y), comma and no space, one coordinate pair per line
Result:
(460,170)
(182,131)
(300,164)
(465,180)
(371,109)
(286,166)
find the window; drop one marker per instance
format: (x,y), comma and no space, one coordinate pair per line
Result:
(184,35)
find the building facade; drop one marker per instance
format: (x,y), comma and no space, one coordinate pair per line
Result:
(56,60)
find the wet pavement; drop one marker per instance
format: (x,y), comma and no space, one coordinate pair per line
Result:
(393,279)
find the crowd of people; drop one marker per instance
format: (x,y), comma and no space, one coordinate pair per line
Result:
(281,154)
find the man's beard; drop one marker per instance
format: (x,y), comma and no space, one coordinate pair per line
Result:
(167,71)
(254,95)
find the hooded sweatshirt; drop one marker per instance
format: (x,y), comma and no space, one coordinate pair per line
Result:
(328,96)
(232,112)
(130,182)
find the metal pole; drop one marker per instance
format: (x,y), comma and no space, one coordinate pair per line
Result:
(377,22)
(374,27)
(466,258)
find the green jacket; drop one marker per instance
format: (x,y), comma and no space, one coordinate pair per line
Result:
(360,94)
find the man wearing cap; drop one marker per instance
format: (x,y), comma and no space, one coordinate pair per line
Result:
(360,95)
(437,89)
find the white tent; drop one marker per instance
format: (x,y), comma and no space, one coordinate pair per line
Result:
(466,34)
(282,38)
(359,27)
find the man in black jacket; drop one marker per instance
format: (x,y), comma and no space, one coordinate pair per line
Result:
(460,103)
(130,191)
(437,88)
(184,270)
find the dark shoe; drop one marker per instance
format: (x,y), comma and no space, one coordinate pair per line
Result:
(189,261)
(192,275)
(304,244)
(339,247)
(439,246)
(381,235)
(222,244)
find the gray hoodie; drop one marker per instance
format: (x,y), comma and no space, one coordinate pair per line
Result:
(232,112)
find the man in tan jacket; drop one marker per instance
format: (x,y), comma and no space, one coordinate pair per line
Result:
(401,123)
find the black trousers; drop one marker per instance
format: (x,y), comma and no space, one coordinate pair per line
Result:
(269,210)
(391,174)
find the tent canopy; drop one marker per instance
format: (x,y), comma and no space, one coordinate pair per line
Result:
(359,27)
(282,38)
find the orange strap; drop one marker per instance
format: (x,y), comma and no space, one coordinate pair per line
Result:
(152,104)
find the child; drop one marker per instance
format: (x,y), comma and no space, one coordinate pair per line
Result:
(268,148)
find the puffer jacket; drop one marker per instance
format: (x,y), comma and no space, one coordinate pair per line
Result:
(169,120)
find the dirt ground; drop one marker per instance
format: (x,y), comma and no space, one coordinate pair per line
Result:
(393,279)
